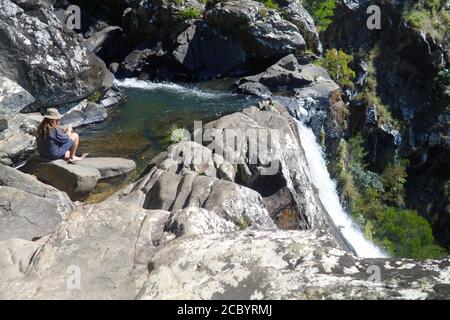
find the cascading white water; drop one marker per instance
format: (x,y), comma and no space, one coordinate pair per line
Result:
(170,86)
(329,197)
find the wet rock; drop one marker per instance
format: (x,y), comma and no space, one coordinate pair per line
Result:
(113,96)
(148,63)
(79,179)
(255,89)
(321,107)
(285,265)
(385,141)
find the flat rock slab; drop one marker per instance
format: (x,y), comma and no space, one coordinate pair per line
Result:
(78,179)
(108,167)
(26,216)
(106,243)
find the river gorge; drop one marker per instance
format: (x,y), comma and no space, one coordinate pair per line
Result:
(355,207)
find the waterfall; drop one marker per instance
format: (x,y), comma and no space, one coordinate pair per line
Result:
(329,197)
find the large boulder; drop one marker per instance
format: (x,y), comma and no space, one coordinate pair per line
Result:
(84,113)
(50,64)
(102,41)
(262,32)
(206,53)
(79,179)
(10,177)
(190,175)
(13,98)
(26,216)
(105,245)
(29,209)
(285,265)
(29,5)
(294,12)
(286,74)
(196,221)
(17,140)
(277,168)
(240,205)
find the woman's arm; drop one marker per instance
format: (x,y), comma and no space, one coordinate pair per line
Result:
(60,136)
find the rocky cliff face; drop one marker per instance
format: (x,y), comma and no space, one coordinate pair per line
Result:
(404,61)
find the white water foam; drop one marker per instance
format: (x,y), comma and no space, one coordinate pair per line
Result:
(169,86)
(329,197)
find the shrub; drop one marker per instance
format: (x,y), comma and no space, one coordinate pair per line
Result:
(322,12)
(189,13)
(337,64)
(393,179)
(405,234)
(416,19)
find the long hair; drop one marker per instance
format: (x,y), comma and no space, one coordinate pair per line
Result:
(44,128)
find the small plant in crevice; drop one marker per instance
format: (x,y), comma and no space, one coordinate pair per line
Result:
(176,134)
(243,222)
(189,13)
(95,97)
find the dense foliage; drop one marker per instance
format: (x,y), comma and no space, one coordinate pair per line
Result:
(337,64)
(432,16)
(376,202)
(405,234)
(322,12)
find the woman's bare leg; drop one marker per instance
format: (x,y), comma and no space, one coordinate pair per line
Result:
(76,141)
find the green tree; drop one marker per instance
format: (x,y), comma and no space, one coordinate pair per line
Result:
(322,12)
(337,64)
(393,179)
(406,234)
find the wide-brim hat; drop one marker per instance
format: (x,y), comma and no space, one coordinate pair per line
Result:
(53,114)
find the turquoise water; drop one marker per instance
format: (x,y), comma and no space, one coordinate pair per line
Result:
(137,129)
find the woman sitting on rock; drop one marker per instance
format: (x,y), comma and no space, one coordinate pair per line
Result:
(54,142)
